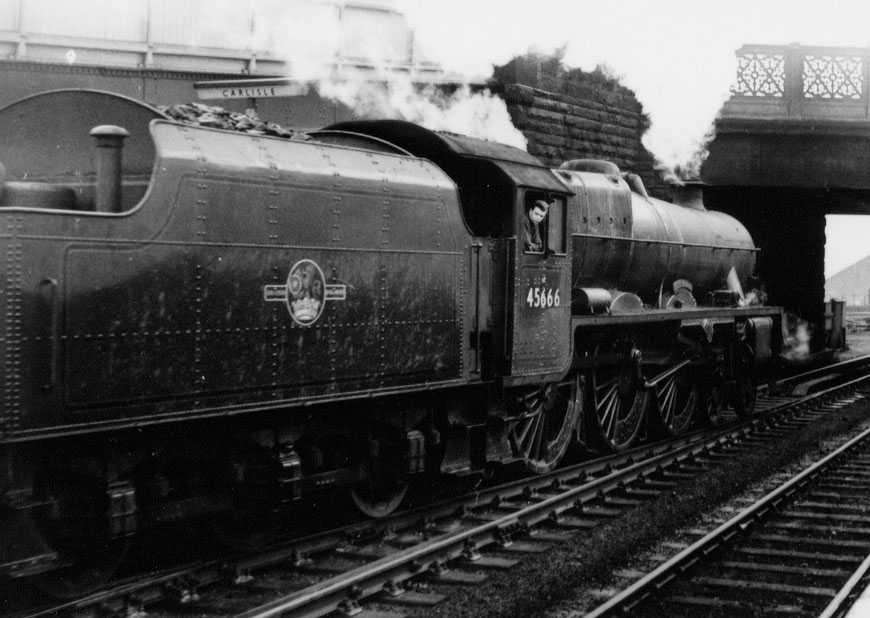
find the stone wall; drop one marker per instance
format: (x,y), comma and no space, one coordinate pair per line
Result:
(568,114)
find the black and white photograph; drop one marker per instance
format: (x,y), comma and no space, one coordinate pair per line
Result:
(434,309)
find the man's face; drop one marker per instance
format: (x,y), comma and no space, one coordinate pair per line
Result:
(537,214)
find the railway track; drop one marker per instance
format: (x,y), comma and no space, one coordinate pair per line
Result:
(400,561)
(800,550)
(814,379)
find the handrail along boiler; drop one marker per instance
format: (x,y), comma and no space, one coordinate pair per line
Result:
(198,321)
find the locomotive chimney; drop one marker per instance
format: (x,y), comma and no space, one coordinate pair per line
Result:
(690,194)
(109,141)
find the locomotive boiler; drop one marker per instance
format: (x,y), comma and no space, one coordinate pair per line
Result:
(626,240)
(208,324)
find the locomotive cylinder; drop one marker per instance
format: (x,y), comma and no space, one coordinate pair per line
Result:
(110,142)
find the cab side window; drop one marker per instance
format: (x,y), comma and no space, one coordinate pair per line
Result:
(534,226)
(557,240)
(543,226)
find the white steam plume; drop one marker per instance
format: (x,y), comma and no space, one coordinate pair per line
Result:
(337,50)
(477,114)
(677,55)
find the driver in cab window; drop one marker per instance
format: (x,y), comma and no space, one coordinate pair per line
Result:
(535,214)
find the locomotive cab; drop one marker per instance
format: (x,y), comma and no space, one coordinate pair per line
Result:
(525,340)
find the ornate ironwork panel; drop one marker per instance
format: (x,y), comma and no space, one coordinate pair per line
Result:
(833,77)
(760,75)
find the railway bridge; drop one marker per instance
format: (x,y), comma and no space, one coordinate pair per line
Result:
(792,145)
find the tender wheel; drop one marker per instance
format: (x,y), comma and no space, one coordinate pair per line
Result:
(677,397)
(617,402)
(251,479)
(90,573)
(745,384)
(548,417)
(78,529)
(378,502)
(383,485)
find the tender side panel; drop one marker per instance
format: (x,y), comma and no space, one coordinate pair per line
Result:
(10,333)
(204,312)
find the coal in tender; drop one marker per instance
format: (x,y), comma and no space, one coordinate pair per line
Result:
(202,115)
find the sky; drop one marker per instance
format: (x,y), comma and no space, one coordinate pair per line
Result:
(677,55)
(848,241)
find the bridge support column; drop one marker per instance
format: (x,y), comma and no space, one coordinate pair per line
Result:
(788,225)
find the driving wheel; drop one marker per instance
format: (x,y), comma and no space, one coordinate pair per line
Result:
(545,427)
(677,397)
(617,401)
(79,529)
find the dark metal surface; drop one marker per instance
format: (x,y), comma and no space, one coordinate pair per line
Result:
(418,140)
(685,316)
(370,294)
(536,335)
(446,149)
(167,307)
(626,241)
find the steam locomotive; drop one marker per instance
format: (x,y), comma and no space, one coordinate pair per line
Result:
(198,321)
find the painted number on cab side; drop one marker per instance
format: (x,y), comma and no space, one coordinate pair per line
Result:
(543,297)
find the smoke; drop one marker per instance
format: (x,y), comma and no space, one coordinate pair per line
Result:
(341,48)
(477,114)
(796,345)
(333,47)
(676,55)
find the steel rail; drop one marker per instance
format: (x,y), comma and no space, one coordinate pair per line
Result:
(370,579)
(211,571)
(207,572)
(667,571)
(156,585)
(852,363)
(838,604)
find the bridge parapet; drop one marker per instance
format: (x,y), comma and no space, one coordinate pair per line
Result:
(798,116)
(792,145)
(796,82)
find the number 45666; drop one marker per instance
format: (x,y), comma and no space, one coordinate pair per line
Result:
(541,298)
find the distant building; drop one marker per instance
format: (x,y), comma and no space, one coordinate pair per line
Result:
(851,284)
(155,50)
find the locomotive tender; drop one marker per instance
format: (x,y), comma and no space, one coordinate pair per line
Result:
(199,321)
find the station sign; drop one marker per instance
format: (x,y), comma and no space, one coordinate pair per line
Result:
(250,89)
